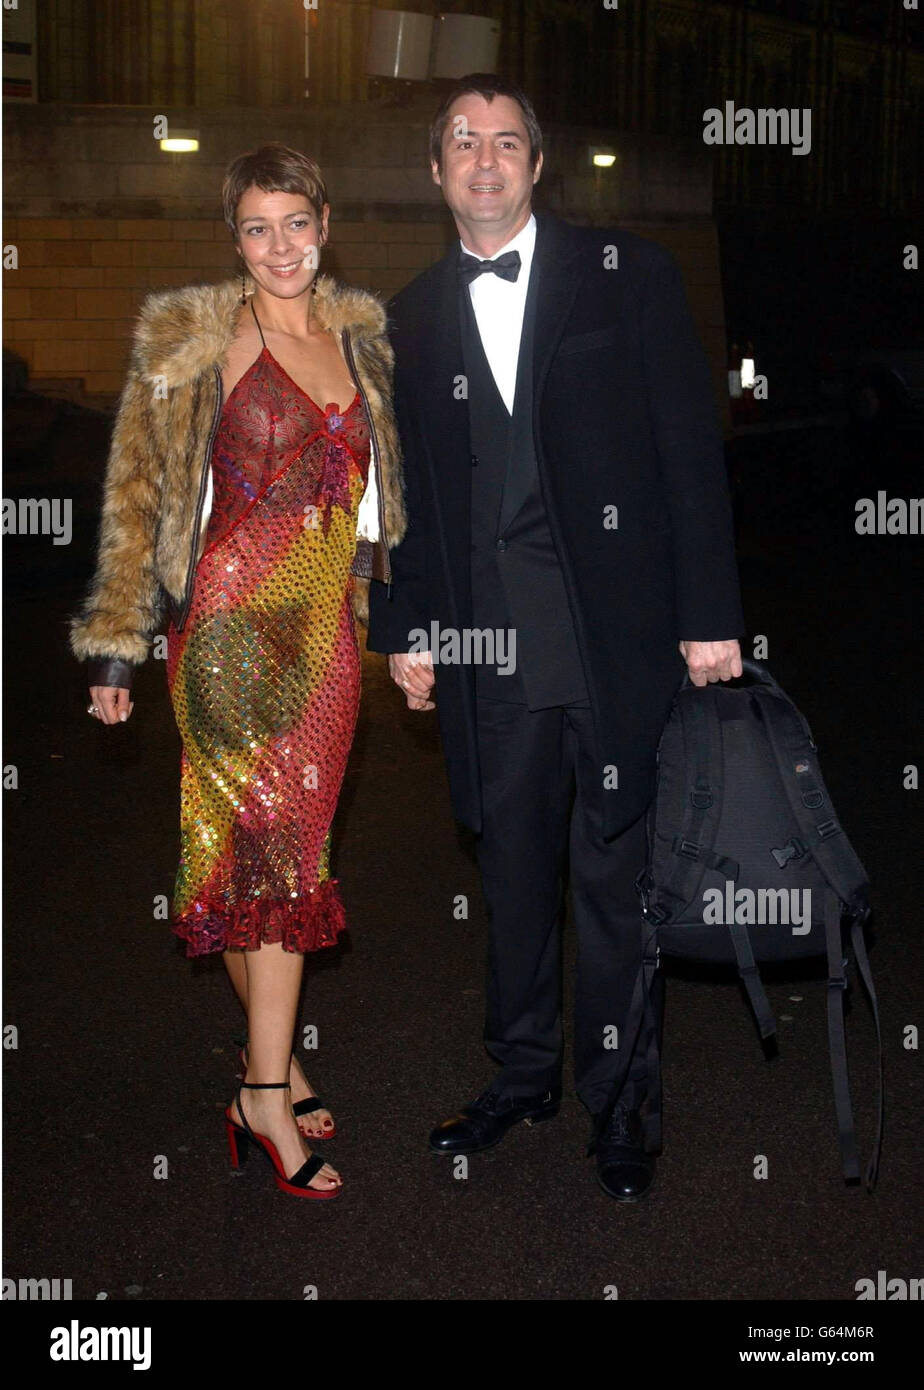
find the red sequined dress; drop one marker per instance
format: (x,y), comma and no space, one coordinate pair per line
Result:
(265,677)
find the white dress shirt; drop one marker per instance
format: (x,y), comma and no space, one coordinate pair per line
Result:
(498,305)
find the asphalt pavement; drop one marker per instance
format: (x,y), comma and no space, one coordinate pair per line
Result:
(116,1167)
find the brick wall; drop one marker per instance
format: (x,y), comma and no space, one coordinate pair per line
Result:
(100,216)
(69,308)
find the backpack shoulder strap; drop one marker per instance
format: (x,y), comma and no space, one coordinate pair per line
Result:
(859,951)
(837,1043)
(794,751)
(847,887)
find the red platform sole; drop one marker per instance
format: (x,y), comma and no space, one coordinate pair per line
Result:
(238,1139)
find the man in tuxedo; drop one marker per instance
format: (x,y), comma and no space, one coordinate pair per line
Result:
(566,492)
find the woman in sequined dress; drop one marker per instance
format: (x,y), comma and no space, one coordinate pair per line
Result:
(262,656)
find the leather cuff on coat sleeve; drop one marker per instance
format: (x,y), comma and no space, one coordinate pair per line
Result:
(111,671)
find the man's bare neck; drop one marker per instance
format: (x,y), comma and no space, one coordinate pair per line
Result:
(487,241)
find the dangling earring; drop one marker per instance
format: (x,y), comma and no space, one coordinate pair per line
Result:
(243,287)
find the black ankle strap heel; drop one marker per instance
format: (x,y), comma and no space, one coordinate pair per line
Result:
(298,1184)
(299,1107)
(257,1086)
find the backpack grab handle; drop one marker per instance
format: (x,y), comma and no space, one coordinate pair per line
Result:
(755,669)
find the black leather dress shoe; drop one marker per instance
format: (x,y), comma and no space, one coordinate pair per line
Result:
(484,1123)
(624,1170)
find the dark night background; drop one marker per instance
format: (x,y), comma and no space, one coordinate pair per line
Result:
(125,1049)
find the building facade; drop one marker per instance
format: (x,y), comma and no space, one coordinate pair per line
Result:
(97,214)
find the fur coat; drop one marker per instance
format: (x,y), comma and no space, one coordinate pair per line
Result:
(152,530)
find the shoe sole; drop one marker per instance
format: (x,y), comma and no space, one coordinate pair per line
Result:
(535,1119)
(240,1143)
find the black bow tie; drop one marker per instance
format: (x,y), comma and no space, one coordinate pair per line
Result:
(506,266)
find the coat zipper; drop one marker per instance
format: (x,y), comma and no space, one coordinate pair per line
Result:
(380,496)
(188,592)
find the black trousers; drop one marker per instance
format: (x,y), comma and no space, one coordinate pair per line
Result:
(540,779)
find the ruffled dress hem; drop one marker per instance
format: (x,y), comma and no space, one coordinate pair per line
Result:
(310,923)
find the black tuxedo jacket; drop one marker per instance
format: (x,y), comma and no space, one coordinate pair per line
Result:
(633,479)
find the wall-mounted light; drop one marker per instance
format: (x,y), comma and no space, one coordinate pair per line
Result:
(602,156)
(181,142)
(747,373)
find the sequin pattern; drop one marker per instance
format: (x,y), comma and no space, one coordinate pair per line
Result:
(265,677)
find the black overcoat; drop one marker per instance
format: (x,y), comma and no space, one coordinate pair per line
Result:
(624,417)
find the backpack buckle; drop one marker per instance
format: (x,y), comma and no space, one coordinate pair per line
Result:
(827,829)
(795,849)
(658,914)
(688,848)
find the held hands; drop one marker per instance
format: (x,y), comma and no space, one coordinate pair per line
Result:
(412,673)
(708,662)
(110,704)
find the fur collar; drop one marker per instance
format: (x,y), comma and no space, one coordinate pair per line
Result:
(182,332)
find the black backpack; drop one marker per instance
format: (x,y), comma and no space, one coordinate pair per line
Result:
(747,863)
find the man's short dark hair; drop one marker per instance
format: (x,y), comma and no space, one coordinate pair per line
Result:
(489,86)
